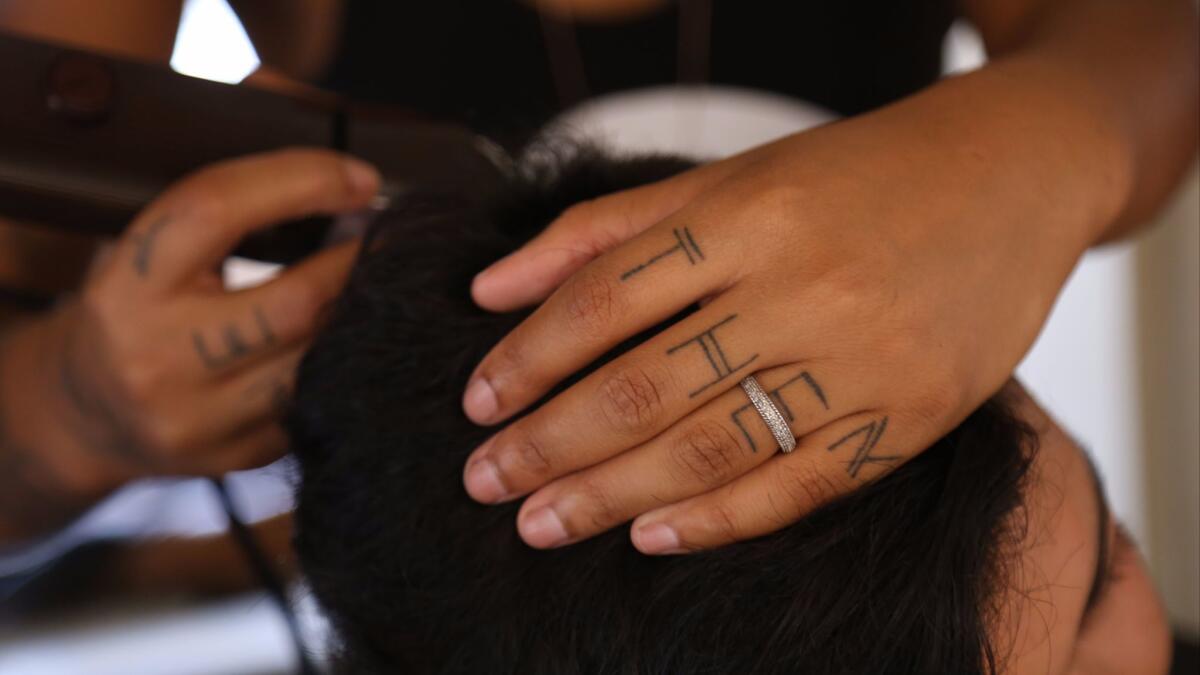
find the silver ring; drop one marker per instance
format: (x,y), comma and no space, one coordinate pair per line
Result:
(769,413)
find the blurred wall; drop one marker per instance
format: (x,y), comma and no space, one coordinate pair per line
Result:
(1168,320)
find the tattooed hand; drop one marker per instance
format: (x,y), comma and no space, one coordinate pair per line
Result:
(155,368)
(880,277)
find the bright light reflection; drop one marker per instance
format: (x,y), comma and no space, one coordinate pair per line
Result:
(212,44)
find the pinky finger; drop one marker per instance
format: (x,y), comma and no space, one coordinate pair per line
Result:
(825,465)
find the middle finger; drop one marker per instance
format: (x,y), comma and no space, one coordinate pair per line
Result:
(627,401)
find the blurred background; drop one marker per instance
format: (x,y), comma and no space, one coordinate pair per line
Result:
(1118,364)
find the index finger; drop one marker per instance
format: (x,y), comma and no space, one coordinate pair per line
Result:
(590,229)
(194,224)
(629,289)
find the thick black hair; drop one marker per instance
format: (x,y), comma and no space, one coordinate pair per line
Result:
(901,577)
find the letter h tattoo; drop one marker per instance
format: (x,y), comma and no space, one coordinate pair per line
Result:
(711,347)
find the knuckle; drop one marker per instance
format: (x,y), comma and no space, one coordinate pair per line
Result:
(623,209)
(592,304)
(861,291)
(586,220)
(858,274)
(706,453)
(775,196)
(806,486)
(505,365)
(631,399)
(602,511)
(521,456)
(722,521)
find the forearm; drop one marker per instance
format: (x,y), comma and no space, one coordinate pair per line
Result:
(1129,67)
(141,29)
(1019,168)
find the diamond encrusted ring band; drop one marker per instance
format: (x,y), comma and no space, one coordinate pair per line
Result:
(769,414)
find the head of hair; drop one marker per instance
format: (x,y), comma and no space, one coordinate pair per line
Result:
(900,576)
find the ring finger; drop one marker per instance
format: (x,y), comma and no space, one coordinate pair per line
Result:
(710,447)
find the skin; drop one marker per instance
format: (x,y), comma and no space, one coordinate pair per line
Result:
(873,246)
(1044,624)
(155,369)
(165,374)
(900,263)
(138,29)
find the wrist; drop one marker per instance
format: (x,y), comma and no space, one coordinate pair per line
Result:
(43,422)
(1059,169)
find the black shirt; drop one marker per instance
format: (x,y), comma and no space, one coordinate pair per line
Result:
(487,62)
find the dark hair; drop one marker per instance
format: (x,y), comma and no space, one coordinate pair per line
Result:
(901,576)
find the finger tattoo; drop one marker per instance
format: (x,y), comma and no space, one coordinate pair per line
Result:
(144,245)
(867,437)
(710,346)
(684,241)
(776,395)
(236,345)
(816,388)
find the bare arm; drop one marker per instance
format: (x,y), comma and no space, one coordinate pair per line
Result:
(141,29)
(1130,69)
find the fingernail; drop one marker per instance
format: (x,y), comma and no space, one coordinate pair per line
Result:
(483,483)
(363,176)
(543,528)
(656,539)
(479,401)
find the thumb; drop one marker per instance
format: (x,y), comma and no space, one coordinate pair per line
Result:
(581,234)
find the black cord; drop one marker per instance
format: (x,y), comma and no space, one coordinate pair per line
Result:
(266,575)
